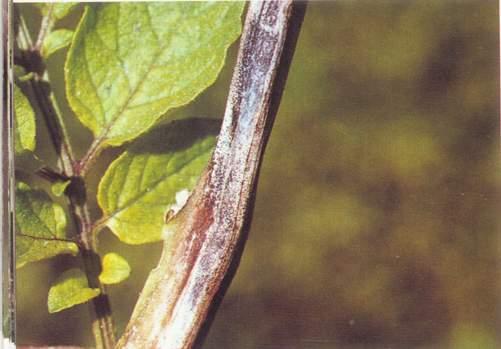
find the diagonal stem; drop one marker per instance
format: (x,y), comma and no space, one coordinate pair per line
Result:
(45,27)
(183,291)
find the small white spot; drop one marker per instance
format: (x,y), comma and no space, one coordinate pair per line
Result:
(181,198)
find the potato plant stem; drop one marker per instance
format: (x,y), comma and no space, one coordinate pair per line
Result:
(40,85)
(182,293)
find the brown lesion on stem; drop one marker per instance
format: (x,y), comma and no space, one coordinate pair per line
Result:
(198,263)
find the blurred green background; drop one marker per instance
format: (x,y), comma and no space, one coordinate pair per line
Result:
(376,221)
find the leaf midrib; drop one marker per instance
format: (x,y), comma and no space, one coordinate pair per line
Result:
(51,239)
(106,129)
(48,229)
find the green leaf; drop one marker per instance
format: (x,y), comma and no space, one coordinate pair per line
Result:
(19,71)
(59,187)
(25,129)
(154,176)
(115,269)
(130,63)
(21,75)
(70,289)
(56,40)
(40,227)
(59,10)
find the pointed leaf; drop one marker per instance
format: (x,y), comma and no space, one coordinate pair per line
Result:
(129,63)
(59,187)
(40,227)
(70,289)
(56,40)
(115,269)
(154,176)
(25,129)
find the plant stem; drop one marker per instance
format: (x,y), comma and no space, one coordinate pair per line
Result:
(181,294)
(45,27)
(102,326)
(45,99)
(101,310)
(88,159)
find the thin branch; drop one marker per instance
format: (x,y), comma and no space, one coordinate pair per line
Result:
(181,294)
(45,27)
(90,157)
(45,99)
(101,310)
(51,175)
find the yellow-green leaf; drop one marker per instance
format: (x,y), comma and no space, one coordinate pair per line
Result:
(115,269)
(25,129)
(59,187)
(154,176)
(130,62)
(56,40)
(57,10)
(19,71)
(70,289)
(40,227)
